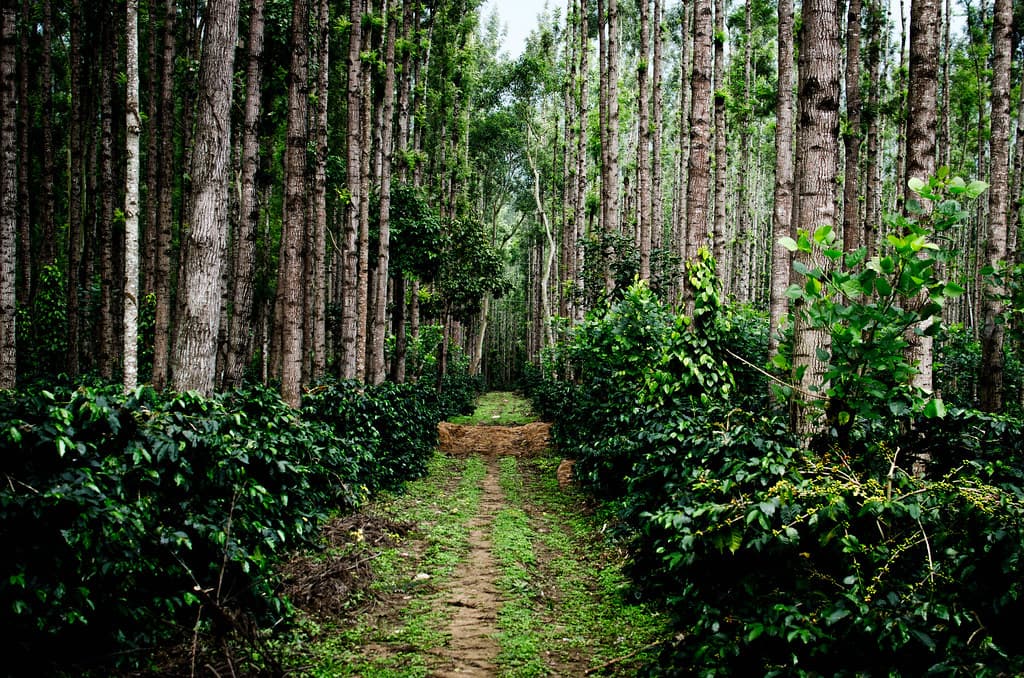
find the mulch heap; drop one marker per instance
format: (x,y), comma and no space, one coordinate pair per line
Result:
(515,441)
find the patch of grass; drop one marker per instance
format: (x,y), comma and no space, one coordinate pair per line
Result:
(500,408)
(441,504)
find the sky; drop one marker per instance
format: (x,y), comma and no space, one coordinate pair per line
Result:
(519,17)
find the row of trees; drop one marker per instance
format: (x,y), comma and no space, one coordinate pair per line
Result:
(311,181)
(267,208)
(712,129)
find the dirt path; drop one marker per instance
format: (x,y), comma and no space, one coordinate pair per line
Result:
(484,568)
(473,594)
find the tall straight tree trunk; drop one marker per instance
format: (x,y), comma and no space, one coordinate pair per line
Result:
(195,348)
(165,210)
(742,273)
(8,194)
(291,290)
(992,328)
(363,277)
(945,138)
(47,212)
(609,133)
(240,334)
(108,240)
(922,105)
(718,231)
(76,187)
(133,134)
(581,164)
(680,208)
(699,171)
(872,165)
(657,124)
(25,207)
(316,265)
(643,152)
(853,233)
(782,211)
(350,298)
(376,364)
(816,174)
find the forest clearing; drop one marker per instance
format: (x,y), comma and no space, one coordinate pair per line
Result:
(755,265)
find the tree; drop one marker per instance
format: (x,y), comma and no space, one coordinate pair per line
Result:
(699,171)
(816,173)
(853,232)
(291,289)
(133,127)
(195,350)
(240,330)
(992,328)
(782,212)
(922,104)
(8,195)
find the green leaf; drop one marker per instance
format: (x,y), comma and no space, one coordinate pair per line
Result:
(916,185)
(976,188)
(788,243)
(935,409)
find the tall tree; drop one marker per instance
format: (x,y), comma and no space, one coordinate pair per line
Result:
(242,317)
(643,152)
(8,194)
(721,144)
(350,296)
(816,174)
(853,232)
(290,288)
(699,171)
(922,103)
(992,327)
(195,348)
(782,212)
(133,134)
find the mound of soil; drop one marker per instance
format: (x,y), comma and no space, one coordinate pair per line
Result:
(493,441)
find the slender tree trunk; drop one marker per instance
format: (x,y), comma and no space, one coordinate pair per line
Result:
(922,105)
(316,266)
(992,328)
(816,173)
(643,152)
(76,206)
(657,124)
(699,173)
(8,194)
(195,349)
(240,335)
(721,166)
(853,233)
(350,298)
(872,169)
(581,165)
(742,273)
(376,364)
(25,207)
(47,213)
(291,289)
(133,134)
(165,210)
(109,278)
(782,212)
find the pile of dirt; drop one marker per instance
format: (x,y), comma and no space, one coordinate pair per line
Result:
(326,584)
(493,441)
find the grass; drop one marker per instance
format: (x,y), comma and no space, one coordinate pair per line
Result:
(500,408)
(442,505)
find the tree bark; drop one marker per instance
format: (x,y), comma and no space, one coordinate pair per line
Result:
(133,134)
(699,171)
(816,174)
(8,195)
(993,301)
(291,290)
(853,233)
(350,299)
(195,348)
(243,320)
(782,212)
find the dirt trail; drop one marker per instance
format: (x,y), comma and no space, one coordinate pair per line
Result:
(474,596)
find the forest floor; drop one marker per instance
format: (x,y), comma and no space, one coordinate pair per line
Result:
(486,567)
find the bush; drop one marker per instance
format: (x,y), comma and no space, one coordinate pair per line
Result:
(125,517)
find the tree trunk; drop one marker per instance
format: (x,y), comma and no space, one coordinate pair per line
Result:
(108,240)
(243,320)
(993,301)
(133,134)
(643,152)
(195,348)
(853,233)
(699,172)
(782,212)
(291,289)
(376,363)
(718,231)
(922,108)
(165,210)
(350,299)
(316,248)
(8,195)
(76,207)
(816,174)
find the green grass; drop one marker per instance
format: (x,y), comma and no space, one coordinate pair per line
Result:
(499,407)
